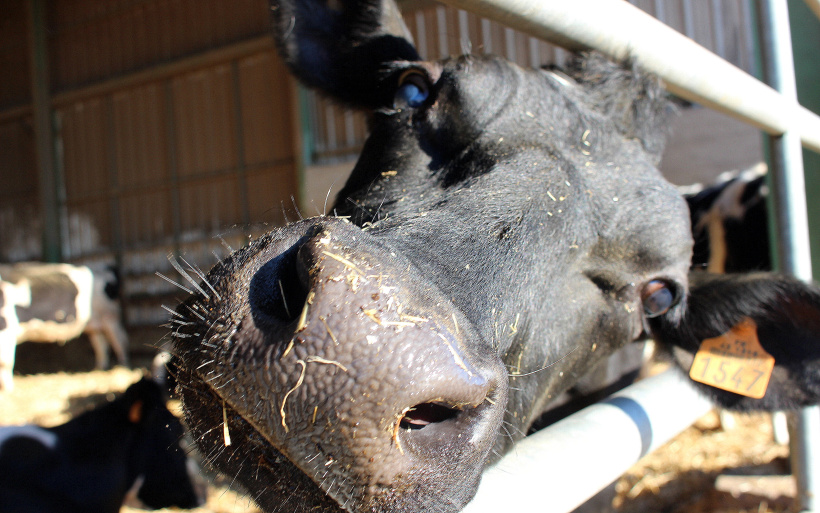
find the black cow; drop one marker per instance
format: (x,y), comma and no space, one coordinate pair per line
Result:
(90,463)
(504,231)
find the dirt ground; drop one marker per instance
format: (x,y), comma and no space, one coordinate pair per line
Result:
(694,473)
(709,469)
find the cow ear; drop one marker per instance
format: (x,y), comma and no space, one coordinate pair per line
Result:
(343,52)
(135,412)
(725,316)
(634,100)
(140,399)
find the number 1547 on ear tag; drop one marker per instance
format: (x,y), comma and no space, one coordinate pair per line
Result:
(734,361)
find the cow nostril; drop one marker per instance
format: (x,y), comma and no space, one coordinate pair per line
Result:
(279,289)
(422,415)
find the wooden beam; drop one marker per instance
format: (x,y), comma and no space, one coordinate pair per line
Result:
(166,70)
(151,74)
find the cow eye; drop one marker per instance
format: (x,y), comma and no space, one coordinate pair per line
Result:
(413,90)
(658,297)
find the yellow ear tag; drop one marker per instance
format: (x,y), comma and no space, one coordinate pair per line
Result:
(734,361)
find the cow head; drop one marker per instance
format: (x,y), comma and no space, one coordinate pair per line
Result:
(503,231)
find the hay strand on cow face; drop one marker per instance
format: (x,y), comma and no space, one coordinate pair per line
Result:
(287,394)
(329,332)
(374,316)
(226,434)
(396,428)
(303,363)
(317,359)
(456,357)
(302,324)
(287,349)
(347,263)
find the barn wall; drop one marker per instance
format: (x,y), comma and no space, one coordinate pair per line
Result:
(19,210)
(172,121)
(91,40)
(20,225)
(15,88)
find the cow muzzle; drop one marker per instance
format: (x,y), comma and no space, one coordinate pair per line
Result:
(354,368)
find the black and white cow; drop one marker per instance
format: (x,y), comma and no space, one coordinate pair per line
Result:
(59,302)
(92,462)
(503,232)
(729,222)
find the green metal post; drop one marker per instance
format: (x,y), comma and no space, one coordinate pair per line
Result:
(51,186)
(305,156)
(805,27)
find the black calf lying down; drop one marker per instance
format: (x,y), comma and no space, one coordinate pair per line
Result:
(90,463)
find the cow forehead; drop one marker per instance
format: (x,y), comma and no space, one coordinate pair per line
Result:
(497,140)
(481,94)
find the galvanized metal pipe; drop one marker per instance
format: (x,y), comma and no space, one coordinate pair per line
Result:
(786,174)
(791,227)
(560,467)
(689,70)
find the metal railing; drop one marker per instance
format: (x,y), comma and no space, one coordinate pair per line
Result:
(585,452)
(560,467)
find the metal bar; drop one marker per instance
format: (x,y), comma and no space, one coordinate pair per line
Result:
(598,24)
(241,166)
(791,227)
(719,29)
(303,142)
(789,194)
(48,173)
(441,18)
(173,168)
(113,195)
(688,19)
(560,467)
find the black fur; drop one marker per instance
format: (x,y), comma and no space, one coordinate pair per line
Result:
(97,458)
(786,313)
(500,239)
(339,52)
